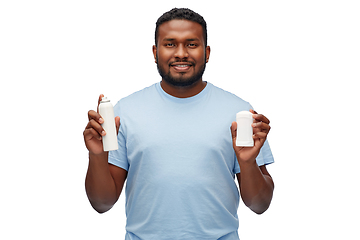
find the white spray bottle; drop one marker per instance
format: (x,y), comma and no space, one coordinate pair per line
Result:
(106,111)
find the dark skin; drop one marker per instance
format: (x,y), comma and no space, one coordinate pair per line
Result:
(104,182)
(256,184)
(181,52)
(179,43)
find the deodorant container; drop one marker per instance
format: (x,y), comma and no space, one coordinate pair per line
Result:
(106,111)
(244,134)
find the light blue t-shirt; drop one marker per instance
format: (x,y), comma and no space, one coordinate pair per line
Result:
(181,164)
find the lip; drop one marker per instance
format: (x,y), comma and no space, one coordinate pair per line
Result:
(181,66)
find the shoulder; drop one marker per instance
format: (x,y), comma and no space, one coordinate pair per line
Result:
(136,99)
(226,97)
(139,95)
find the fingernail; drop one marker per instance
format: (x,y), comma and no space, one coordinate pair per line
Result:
(103,133)
(101,120)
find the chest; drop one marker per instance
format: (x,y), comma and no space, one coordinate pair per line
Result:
(184,137)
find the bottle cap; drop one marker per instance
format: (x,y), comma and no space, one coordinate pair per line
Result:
(242,114)
(104,99)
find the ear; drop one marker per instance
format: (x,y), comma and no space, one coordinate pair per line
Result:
(207,53)
(154,52)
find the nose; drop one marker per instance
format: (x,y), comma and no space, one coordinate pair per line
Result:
(181,52)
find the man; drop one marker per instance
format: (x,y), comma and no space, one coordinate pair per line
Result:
(177,147)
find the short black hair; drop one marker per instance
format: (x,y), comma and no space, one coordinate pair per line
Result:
(181,13)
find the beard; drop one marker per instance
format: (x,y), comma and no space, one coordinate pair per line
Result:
(180,81)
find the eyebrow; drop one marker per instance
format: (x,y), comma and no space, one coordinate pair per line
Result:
(192,39)
(173,39)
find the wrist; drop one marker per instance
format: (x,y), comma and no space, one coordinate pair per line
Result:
(99,157)
(248,163)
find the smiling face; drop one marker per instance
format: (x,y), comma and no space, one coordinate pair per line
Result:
(181,54)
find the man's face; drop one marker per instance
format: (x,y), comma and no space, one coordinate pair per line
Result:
(181,54)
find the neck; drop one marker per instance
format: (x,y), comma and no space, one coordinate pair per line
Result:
(183,92)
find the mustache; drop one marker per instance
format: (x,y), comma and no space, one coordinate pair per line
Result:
(182,61)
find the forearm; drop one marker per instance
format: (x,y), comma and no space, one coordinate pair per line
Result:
(256,188)
(99,184)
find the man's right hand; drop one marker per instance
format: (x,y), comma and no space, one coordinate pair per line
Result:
(94,132)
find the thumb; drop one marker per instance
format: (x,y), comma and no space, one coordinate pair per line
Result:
(233,130)
(117,124)
(99,100)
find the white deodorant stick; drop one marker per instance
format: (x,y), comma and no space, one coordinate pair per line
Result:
(244,136)
(106,111)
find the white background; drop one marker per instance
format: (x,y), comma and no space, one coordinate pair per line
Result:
(297,62)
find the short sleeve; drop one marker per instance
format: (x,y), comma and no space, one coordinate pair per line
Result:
(119,157)
(265,157)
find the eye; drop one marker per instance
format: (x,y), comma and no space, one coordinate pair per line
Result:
(192,45)
(169,45)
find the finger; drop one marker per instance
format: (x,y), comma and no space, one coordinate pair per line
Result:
(260,135)
(96,126)
(91,133)
(96,116)
(99,100)
(261,126)
(259,139)
(233,130)
(253,111)
(261,118)
(117,124)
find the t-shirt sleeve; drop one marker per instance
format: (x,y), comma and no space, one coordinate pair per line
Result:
(265,157)
(119,157)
